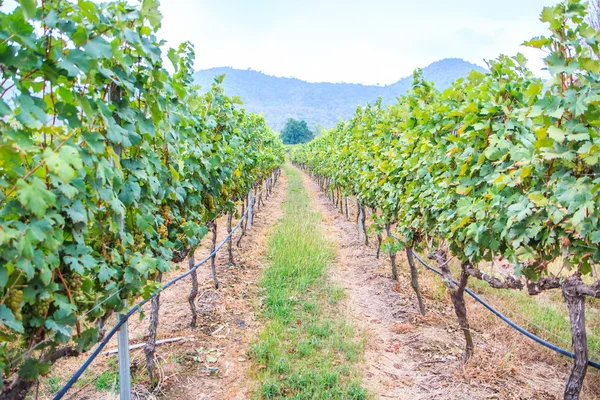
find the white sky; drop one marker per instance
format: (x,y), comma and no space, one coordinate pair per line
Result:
(360,41)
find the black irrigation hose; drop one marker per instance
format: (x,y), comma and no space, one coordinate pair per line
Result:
(135,308)
(504,318)
(508,321)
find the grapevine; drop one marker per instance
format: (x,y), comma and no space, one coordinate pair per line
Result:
(499,165)
(110,165)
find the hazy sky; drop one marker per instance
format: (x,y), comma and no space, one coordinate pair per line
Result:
(361,41)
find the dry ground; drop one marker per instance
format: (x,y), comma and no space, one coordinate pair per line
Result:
(413,357)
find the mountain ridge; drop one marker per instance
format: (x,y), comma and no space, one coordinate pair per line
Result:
(319,103)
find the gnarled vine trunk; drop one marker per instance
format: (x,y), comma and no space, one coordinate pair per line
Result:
(457,294)
(213,259)
(347,212)
(150,347)
(460,308)
(392,254)
(194,291)
(576,305)
(363,225)
(18,388)
(414,279)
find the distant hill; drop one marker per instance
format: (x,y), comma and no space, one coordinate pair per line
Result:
(319,103)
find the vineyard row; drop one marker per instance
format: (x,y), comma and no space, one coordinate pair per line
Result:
(500,168)
(113,166)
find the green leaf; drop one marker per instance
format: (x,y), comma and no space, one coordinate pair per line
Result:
(521,59)
(150,12)
(31,369)
(64,163)
(98,48)
(4,108)
(88,338)
(8,319)
(31,110)
(61,321)
(29,8)
(557,134)
(538,199)
(34,196)
(130,193)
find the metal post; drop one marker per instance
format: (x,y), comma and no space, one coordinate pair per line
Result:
(250,206)
(122,334)
(124,370)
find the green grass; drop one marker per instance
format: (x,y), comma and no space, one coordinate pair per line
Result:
(109,379)
(54,384)
(306,350)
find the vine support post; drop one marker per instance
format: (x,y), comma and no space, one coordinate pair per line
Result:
(243,223)
(250,207)
(414,278)
(576,305)
(123,334)
(123,359)
(392,255)
(230,241)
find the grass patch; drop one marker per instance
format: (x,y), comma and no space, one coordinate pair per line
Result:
(54,384)
(307,350)
(109,379)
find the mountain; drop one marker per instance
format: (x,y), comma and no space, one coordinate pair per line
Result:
(319,103)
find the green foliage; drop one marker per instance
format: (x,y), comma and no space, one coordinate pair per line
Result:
(108,165)
(296,132)
(498,164)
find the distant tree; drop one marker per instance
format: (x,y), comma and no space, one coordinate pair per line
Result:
(296,132)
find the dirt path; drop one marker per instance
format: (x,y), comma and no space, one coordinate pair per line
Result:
(211,362)
(413,357)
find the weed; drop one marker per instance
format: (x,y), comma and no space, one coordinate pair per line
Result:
(54,384)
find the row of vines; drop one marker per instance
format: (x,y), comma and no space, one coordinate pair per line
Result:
(500,166)
(112,165)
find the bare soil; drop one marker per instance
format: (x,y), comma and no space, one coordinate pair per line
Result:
(211,362)
(412,357)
